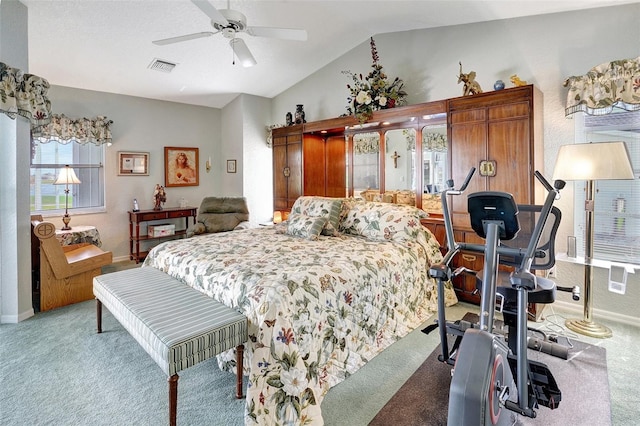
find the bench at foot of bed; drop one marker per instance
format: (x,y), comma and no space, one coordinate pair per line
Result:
(177,325)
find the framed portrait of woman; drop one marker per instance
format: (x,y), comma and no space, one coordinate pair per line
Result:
(180,166)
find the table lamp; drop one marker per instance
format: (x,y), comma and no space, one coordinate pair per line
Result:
(591,162)
(65,177)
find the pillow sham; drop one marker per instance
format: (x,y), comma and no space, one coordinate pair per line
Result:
(304,226)
(320,207)
(383,221)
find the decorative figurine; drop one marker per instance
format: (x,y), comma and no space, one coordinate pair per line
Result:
(300,114)
(471,86)
(136,208)
(517,82)
(159,197)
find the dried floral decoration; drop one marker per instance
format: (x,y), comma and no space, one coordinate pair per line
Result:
(373,92)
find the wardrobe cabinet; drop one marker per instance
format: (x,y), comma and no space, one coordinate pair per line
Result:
(306,164)
(287,166)
(500,134)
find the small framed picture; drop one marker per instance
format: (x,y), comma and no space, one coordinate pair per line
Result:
(231,166)
(133,163)
(180,166)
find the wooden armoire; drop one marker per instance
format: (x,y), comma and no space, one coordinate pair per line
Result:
(500,134)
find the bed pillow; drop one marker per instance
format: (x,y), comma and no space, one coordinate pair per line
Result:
(383,221)
(320,207)
(303,226)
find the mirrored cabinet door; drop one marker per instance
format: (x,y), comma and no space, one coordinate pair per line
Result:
(400,166)
(366,164)
(434,158)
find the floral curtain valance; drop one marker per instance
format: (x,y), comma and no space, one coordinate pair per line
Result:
(410,135)
(366,143)
(605,87)
(64,130)
(436,142)
(24,95)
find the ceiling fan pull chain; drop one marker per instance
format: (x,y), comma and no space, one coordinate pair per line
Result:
(233,49)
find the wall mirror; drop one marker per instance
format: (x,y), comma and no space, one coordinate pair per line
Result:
(366,163)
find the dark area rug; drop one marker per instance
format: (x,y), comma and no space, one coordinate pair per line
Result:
(582,378)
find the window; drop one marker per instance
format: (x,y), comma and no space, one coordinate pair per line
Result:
(87,162)
(617,202)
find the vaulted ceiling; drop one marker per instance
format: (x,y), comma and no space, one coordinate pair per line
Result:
(107,45)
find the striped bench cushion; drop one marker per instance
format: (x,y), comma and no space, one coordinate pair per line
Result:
(177,325)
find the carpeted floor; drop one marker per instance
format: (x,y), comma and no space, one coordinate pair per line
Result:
(55,370)
(423,399)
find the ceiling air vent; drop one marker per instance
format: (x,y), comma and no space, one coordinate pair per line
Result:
(162,65)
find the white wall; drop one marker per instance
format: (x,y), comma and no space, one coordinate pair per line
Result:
(231,148)
(257,164)
(15,241)
(543,50)
(143,125)
(244,139)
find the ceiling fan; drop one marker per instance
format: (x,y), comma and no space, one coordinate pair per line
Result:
(230,23)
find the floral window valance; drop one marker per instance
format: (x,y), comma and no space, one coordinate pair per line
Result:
(436,142)
(410,135)
(605,87)
(64,130)
(366,143)
(24,95)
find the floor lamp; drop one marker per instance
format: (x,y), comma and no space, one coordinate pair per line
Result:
(65,177)
(591,162)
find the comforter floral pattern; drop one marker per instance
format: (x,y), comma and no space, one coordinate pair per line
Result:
(317,310)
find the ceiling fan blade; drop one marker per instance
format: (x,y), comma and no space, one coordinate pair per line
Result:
(182,38)
(211,11)
(242,52)
(281,33)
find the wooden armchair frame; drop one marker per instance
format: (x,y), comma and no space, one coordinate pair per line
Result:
(66,272)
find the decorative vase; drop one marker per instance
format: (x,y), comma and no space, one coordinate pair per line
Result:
(299,116)
(498,85)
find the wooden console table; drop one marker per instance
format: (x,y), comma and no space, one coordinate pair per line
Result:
(136,218)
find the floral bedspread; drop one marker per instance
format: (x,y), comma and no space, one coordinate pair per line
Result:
(317,310)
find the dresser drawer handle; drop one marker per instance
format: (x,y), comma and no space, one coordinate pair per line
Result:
(469,257)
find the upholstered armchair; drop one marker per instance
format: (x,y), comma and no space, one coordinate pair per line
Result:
(220,214)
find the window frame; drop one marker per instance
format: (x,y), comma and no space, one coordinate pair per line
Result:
(91,174)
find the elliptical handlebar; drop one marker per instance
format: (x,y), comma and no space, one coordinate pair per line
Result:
(452,246)
(552,195)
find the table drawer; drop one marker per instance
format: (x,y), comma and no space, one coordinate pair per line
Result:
(181,213)
(142,217)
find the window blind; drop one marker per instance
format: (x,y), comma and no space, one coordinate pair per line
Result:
(617,202)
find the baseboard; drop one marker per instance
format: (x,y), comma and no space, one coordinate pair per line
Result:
(14,319)
(578,309)
(120,259)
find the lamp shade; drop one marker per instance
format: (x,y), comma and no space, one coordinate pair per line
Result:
(66,176)
(593,161)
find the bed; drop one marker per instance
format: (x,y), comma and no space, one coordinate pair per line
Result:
(324,293)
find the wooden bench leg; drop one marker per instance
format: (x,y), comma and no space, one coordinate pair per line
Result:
(99,314)
(239,357)
(173,399)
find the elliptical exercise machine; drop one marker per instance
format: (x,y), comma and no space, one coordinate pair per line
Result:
(490,375)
